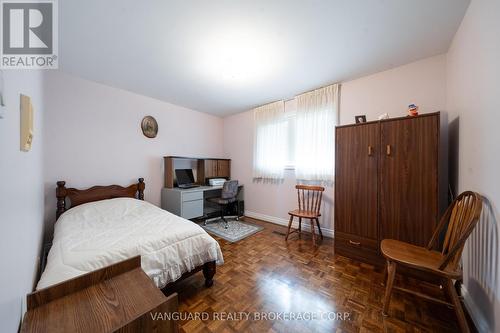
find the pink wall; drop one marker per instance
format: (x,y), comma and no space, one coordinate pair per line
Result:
(472,100)
(422,82)
(21,197)
(93,136)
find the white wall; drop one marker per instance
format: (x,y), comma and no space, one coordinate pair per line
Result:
(93,136)
(422,82)
(21,198)
(472,99)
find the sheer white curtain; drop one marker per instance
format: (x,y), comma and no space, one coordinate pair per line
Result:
(270,141)
(317,115)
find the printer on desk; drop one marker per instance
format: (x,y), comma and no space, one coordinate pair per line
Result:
(216,181)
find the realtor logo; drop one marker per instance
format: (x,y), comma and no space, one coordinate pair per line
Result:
(29,34)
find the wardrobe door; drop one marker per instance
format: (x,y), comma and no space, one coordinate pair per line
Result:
(409,179)
(356,159)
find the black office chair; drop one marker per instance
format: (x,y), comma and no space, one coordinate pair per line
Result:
(228,197)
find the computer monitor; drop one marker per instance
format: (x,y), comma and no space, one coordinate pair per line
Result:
(184,176)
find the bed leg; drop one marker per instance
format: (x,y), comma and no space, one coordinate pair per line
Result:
(208,273)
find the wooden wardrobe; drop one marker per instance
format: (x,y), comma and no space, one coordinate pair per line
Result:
(386,184)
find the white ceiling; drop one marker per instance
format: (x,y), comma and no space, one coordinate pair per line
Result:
(224,57)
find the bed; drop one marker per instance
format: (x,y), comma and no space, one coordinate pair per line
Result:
(102,225)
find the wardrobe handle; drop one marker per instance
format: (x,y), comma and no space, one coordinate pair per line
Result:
(388,150)
(370,150)
(354,243)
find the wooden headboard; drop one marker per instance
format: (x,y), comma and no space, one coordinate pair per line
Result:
(96,193)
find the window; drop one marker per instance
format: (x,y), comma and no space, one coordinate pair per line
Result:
(270,141)
(290,119)
(315,134)
(301,137)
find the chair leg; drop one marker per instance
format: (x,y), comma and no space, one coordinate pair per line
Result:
(223,208)
(462,321)
(289,227)
(312,232)
(319,228)
(236,208)
(384,278)
(391,274)
(300,226)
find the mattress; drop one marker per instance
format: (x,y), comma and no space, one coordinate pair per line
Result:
(101,233)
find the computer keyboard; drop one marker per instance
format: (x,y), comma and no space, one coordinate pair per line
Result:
(188,186)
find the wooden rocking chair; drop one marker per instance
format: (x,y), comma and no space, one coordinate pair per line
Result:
(460,219)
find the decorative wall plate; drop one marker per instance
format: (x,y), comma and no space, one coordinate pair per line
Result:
(149,127)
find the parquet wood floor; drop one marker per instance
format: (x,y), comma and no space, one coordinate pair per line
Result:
(263,273)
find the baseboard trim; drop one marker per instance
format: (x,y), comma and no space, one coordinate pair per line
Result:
(475,312)
(284,222)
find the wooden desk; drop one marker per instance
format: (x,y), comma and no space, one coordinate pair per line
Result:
(117,298)
(191,203)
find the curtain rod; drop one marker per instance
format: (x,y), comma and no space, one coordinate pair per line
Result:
(305,92)
(292,98)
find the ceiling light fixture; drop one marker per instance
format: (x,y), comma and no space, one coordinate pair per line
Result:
(237,56)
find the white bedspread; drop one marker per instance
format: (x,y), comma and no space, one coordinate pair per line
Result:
(97,234)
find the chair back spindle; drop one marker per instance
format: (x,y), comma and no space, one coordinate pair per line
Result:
(309,197)
(459,220)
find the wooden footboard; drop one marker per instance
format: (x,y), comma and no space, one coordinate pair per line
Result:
(123,297)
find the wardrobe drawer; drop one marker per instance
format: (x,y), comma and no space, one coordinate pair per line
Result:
(191,196)
(354,242)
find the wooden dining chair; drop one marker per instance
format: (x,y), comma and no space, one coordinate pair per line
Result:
(309,199)
(459,220)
